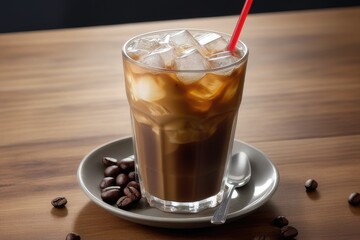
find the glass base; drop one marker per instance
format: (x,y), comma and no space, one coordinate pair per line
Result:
(184,207)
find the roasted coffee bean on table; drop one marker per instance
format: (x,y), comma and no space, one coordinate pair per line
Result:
(354,199)
(288,232)
(59,202)
(280,221)
(311,185)
(72,236)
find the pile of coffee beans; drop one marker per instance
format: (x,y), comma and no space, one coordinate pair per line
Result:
(120,184)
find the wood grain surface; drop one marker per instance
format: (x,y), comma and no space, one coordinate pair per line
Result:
(62,94)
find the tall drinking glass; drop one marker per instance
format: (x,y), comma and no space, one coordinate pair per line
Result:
(184,90)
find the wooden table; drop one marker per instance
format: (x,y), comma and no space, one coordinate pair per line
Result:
(62,94)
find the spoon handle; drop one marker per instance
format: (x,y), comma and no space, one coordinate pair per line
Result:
(220,215)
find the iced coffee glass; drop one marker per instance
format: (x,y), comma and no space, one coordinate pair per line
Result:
(184,89)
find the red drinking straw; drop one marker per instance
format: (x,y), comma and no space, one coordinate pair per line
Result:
(239,25)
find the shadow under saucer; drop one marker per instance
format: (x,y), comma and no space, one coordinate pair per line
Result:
(93,222)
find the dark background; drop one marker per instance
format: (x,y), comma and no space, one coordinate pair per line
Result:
(25,15)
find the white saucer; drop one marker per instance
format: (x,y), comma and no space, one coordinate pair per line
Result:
(263,184)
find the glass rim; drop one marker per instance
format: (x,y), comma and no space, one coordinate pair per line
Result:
(239,61)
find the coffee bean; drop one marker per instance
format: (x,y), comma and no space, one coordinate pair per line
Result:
(107,182)
(262,237)
(109,161)
(122,180)
(127,165)
(59,202)
(112,171)
(125,203)
(134,184)
(354,199)
(72,236)
(280,221)
(288,232)
(111,194)
(311,185)
(133,176)
(132,193)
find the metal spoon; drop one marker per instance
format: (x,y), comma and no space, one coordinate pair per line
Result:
(239,175)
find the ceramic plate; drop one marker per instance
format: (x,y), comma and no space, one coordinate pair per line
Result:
(262,186)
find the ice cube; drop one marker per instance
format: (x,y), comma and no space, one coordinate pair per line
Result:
(182,38)
(191,60)
(175,124)
(207,88)
(137,54)
(148,88)
(145,44)
(158,110)
(234,88)
(222,60)
(230,92)
(205,38)
(154,60)
(212,42)
(182,41)
(181,136)
(167,53)
(141,118)
(165,39)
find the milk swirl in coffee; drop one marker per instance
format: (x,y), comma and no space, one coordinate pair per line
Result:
(184,89)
